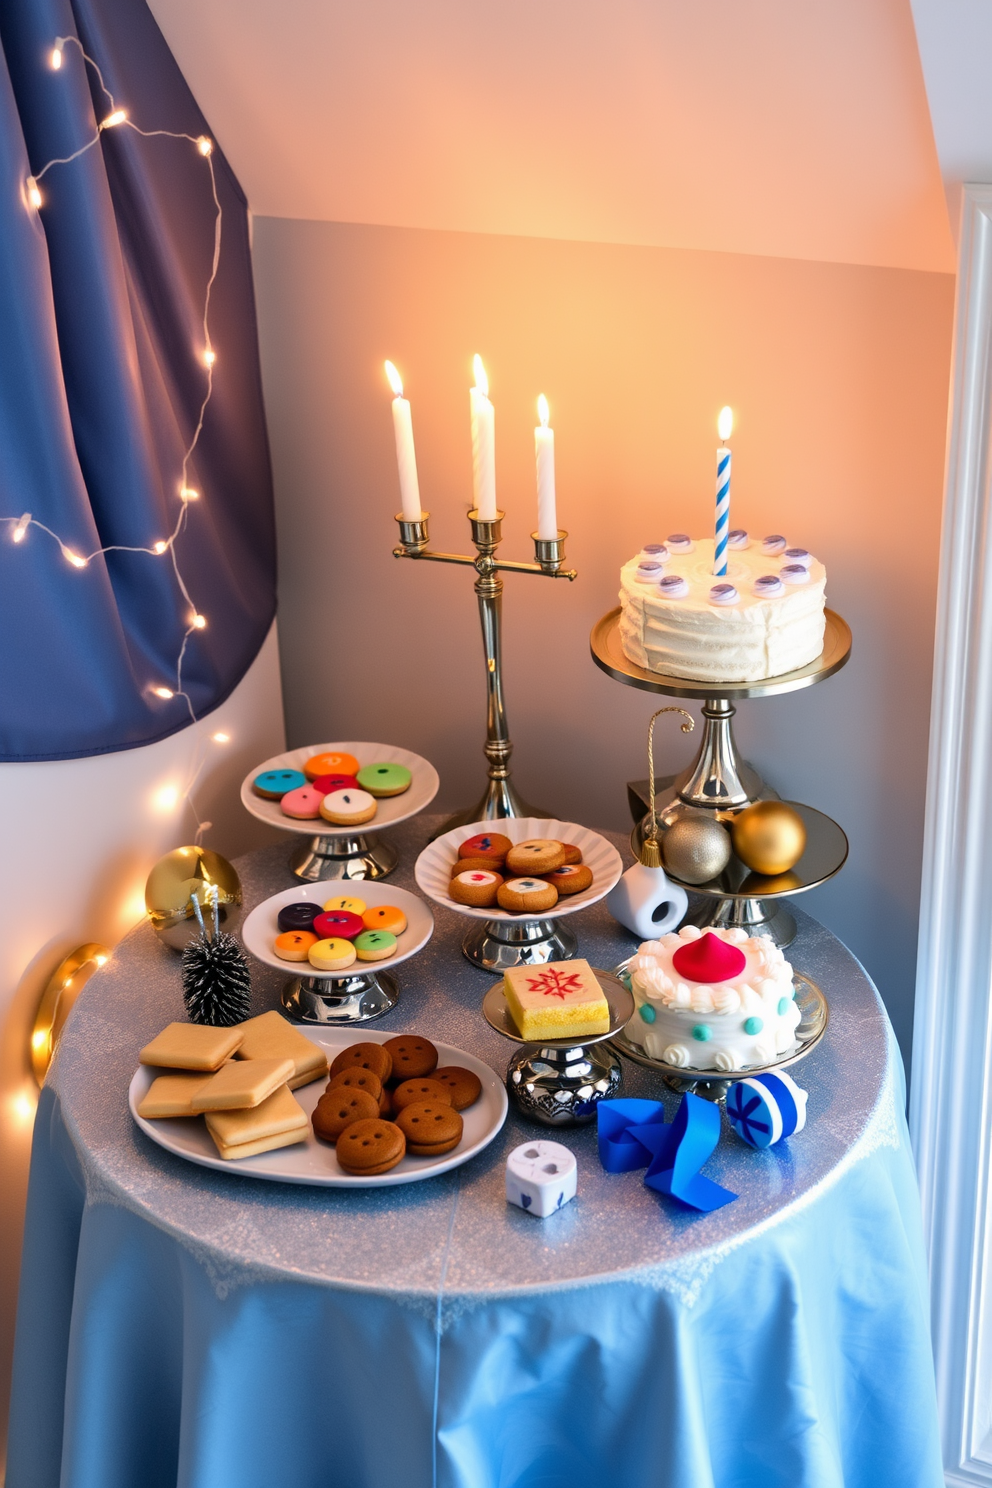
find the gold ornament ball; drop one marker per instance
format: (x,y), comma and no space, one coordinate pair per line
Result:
(769,837)
(170,888)
(695,849)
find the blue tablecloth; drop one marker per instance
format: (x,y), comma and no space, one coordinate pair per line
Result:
(181,1327)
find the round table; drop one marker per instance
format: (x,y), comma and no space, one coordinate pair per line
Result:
(179,1326)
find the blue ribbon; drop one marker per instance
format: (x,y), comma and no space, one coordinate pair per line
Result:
(634,1134)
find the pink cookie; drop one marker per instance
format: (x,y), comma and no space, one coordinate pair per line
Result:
(302,803)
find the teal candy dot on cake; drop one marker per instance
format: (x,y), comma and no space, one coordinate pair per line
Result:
(648,1013)
(702,1032)
(753,1025)
(784,1003)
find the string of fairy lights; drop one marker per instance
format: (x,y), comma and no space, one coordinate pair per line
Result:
(34,200)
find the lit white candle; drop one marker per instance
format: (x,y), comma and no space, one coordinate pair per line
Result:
(406,459)
(483,445)
(544,448)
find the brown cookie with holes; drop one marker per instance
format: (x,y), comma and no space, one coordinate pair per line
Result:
(463,1085)
(426,1089)
(369,1147)
(338,1109)
(431,1128)
(374,1057)
(413,1057)
(357,1078)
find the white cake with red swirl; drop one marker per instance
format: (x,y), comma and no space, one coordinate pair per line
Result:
(712,1000)
(763,618)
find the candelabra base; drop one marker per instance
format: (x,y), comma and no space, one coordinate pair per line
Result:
(352,857)
(499,945)
(354,999)
(499,803)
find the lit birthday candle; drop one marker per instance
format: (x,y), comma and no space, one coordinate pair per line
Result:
(724,427)
(483,445)
(406,459)
(544,447)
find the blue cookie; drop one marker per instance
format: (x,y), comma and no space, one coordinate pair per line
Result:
(272,785)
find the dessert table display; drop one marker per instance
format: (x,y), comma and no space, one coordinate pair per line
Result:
(181,1326)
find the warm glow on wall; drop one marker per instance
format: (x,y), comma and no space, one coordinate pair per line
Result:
(166,798)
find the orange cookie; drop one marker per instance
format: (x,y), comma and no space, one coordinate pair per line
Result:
(330,764)
(412,1091)
(384,917)
(527,895)
(572,878)
(357,1078)
(572,854)
(413,1057)
(490,845)
(463,1085)
(478,887)
(294,945)
(369,1147)
(430,1128)
(338,1109)
(536,855)
(375,1057)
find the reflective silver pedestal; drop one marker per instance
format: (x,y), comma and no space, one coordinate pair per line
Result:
(498,945)
(354,857)
(349,999)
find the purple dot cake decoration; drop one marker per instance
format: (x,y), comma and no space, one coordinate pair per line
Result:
(654,553)
(649,572)
(679,542)
(724,594)
(738,538)
(774,544)
(674,586)
(798,555)
(794,573)
(768,586)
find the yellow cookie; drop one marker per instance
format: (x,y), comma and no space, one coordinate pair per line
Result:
(351,906)
(332,955)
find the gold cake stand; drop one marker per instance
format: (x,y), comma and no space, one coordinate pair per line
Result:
(719,783)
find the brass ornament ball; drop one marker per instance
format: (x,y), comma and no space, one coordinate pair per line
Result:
(170,888)
(769,837)
(695,849)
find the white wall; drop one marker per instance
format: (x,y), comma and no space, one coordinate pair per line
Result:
(79,839)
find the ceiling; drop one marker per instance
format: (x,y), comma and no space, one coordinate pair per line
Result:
(783,127)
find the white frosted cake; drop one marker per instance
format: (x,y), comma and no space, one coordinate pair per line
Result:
(712,1000)
(764,618)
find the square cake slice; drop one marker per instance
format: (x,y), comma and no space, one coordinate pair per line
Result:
(560,1000)
(191,1046)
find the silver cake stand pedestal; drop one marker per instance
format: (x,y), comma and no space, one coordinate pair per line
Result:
(562,1081)
(719,783)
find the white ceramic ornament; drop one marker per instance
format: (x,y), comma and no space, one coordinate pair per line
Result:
(541,1177)
(647,902)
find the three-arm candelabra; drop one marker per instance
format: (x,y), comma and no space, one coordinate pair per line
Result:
(500,799)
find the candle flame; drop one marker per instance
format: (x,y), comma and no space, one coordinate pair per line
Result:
(395,380)
(481,380)
(725,423)
(543,411)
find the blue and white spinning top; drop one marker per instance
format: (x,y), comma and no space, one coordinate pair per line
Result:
(765,1108)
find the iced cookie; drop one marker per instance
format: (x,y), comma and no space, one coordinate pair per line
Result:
(331,955)
(572,853)
(302,803)
(491,845)
(347,808)
(272,785)
(385,917)
(375,945)
(330,763)
(340,1108)
(431,1128)
(477,887)
(369,1147)
(297,916)
(294,945)
(410,1091)
(375,1057)
(573,878)
(463,1085)
(537,855)
(384,780)
(526,895)
(413,1056)
(338,923)
(344,901)
(327,783)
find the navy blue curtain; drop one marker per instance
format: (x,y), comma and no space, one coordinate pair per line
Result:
(102,378)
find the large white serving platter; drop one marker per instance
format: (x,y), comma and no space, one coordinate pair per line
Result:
(261,927)
(433,867)
(391,809)
(315,1162)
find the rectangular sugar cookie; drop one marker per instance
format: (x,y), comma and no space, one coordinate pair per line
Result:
(242,1083)
(170,1095)
(264,1144)
(191,1046)
(278,1113)
(269,1036)
(559,1000)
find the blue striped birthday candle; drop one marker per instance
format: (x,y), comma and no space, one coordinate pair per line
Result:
(725,424)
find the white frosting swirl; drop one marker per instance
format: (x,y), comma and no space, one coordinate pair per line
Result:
(672,586)
(724,594)
(763,1053)
(681,997)
(676,1054)
(726,999)
(690,932)
(726,1059)
(701,999)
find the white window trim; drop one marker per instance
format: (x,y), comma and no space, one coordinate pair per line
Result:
(952,1061)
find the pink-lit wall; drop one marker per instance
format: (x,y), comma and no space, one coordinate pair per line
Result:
(839,377)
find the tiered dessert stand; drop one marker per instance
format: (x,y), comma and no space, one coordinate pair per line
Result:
(719,783)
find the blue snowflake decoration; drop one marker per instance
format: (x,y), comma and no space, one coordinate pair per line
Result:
(765,1108)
